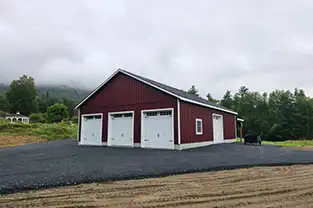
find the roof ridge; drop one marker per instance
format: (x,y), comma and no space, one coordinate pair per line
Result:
(153,80)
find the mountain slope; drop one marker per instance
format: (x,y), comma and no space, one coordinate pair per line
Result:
(59,91)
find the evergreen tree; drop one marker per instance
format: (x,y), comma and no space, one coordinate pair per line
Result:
(211,99)
(193,90)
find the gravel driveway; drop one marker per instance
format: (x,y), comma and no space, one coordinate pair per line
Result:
(60,163)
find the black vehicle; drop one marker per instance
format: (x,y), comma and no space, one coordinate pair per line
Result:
(252,138)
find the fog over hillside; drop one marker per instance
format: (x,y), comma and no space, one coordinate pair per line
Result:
(215,45)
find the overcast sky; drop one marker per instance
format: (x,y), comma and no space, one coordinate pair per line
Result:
(215,45)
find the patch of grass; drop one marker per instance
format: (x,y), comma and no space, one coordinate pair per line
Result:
(291,143)
(50,131)
(288,143)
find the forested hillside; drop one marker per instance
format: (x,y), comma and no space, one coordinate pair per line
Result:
(58,91)
(24,96)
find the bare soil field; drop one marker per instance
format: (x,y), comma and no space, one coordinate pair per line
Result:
(289,186)
(12,141)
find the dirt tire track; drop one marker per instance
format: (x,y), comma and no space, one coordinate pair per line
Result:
(253,187)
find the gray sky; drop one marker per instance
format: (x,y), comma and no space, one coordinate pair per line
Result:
(215,45)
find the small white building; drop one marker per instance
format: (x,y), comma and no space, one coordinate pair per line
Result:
(17,118)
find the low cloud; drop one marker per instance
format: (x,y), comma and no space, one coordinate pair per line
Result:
(215,45)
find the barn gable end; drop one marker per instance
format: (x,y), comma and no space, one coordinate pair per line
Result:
(123,93)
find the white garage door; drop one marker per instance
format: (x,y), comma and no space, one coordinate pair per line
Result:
(121,129)
(157,129)
(218,128)
(91,130)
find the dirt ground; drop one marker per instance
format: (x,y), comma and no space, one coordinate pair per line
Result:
(290,186)
(12,141)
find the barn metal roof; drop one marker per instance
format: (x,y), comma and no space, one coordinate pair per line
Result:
(181,94)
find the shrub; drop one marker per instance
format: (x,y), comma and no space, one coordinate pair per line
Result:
(37,118)
(56,131)
(57,113)
(74,119)
(14,128)
(51,131)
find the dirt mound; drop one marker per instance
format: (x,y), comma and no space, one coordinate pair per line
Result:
(12,141)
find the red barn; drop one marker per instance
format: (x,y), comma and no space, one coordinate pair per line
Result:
(133,111)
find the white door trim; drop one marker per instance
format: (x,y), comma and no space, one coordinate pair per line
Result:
(143,125)
(222,117)
(82,124)
(110,125)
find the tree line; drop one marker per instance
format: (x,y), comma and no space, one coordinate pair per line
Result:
(23,97)
(278,115)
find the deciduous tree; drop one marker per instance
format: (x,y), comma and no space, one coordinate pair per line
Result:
(22,95)
(57,112)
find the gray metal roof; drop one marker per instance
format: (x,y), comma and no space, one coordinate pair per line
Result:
(178,92)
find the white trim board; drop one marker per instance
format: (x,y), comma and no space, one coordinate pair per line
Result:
(82,144)
(154,86)
(158,109)
(136,144)
(178,121)
(201,144)
(193,145)
(103,144)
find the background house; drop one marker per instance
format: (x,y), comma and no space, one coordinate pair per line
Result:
(17,118)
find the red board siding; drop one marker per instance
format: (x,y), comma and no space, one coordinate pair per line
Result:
(189,113)
(123,93)
(229,126)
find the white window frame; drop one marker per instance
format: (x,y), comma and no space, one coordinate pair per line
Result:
(197,120)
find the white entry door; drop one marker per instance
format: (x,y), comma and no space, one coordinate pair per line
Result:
(91,130)
(121,129)
(157,129)
(218,128)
